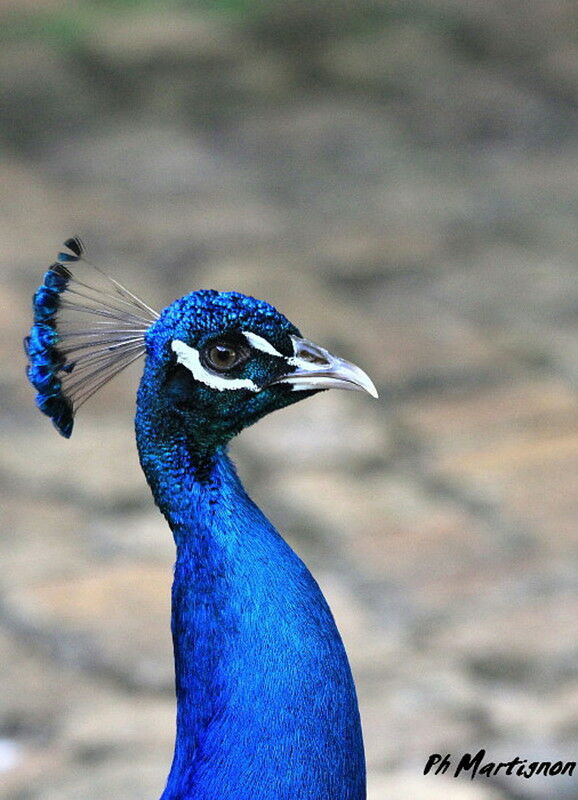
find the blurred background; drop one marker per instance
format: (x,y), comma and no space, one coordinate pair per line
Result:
(399,178)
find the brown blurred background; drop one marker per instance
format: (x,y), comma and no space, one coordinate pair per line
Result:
(399,178)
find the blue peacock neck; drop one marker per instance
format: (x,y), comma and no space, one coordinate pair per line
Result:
(266,705)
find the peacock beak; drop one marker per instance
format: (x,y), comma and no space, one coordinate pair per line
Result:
(313,367)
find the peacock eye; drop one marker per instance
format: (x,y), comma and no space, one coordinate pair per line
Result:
(223,357)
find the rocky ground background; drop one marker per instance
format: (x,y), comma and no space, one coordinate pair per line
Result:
(400,179)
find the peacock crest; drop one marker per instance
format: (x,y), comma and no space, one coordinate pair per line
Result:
(87,328)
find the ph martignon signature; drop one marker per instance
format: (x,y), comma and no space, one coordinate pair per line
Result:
(478,765)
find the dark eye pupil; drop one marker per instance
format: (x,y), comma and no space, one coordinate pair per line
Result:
(222,356)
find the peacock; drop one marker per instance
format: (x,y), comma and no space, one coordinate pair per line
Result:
(266,703)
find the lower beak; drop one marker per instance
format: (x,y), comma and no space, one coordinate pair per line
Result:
(313,368)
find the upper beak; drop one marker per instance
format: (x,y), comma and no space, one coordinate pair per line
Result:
(315,368)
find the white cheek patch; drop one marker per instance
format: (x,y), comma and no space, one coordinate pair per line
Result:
(261,344)
(189,358)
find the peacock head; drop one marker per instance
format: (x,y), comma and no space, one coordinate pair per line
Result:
(215,362)
(218,361)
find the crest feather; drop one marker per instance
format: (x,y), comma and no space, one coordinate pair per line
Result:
(86,330)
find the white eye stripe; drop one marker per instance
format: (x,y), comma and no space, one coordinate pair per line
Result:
(189,358)
(259,343)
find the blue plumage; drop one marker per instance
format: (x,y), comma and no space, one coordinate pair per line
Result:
(266,705)
(45,360)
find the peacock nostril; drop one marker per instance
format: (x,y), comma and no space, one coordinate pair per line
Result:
(313,358)
(309,352)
